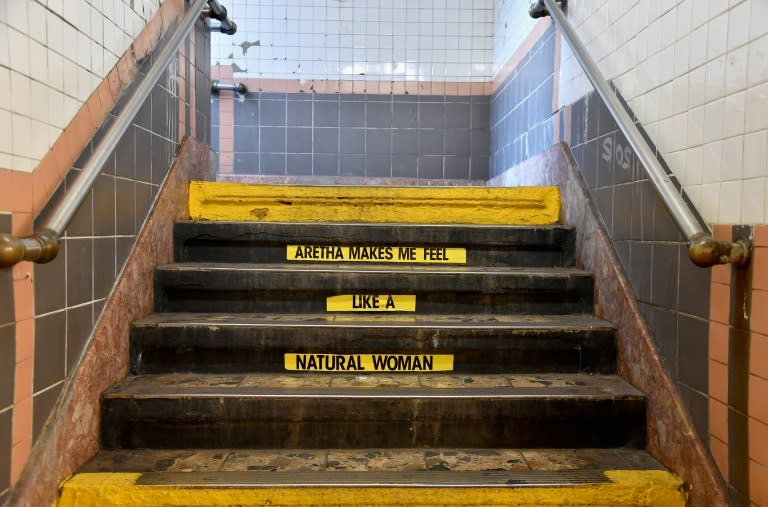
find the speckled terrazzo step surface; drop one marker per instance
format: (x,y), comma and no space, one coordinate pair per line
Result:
(372,410)
(231,343)
(513,245)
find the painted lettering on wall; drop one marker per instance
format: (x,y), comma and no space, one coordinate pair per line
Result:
(620,155)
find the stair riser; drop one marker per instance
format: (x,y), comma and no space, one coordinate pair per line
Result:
(360,423)
(260,349)
(306,291)
(486,246)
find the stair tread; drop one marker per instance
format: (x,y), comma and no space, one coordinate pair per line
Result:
(384,385)
(374,225)
(555,272)
(520,321)
(334,464)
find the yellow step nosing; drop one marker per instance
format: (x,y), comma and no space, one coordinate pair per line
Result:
(430,205)
(650,488)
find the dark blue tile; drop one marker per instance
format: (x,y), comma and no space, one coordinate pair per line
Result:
(325,165)
(50,350)
(246,163)
(457,142)
(378,115)
(431,142)
(456,167)
(431,115)
(405,115)
(431,166)
(7,364)
(479,141)
(693,352)
(272,163)
(352,140)
(404,166)
(405,141)
(326,140)
(272,140)
(479,167)
(326,114)
(6,432)
(352,114)
(246,113)
(298,165)
(352,165)
(480,115)
(246,139)
(378,165)
(664,277)
(299,140)
(299,113)
(272,113)
(457,115)
(378,141)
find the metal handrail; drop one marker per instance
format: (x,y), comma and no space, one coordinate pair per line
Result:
(43,245)
(703,250)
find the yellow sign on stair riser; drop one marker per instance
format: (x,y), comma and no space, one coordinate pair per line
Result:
(371,303)
(394,254)
(369,362)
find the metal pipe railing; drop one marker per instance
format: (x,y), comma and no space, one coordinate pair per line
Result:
(703,250)
(43,245)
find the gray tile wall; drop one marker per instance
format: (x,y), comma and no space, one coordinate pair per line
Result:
(672,292)
(7,366)
(71,290)
(440,137)
(521,108)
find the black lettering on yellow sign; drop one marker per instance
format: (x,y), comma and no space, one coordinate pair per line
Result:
(396,254)
(369,362)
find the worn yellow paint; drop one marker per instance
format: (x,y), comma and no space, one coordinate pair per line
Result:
(371,303)
(368,362)
(645,488)
(425,205)
(381,254)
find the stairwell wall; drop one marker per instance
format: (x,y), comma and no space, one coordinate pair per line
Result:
(693,74)
(49,311)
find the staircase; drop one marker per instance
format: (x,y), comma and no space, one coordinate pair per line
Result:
(335,362)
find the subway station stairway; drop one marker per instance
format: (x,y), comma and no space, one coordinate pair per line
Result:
(353,346)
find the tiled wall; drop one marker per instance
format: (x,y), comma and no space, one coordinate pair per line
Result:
(522,106)
(52,57)
(696,74)
(54,315)
(387,40)
(370,135)
(511,25)
(672,293)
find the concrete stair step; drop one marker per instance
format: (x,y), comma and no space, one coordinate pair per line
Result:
(372,410)
(230,343)
(265,242)
(439,476)
(277,288)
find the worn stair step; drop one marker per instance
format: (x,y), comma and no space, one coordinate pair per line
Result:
(229,343)
(373,204)
(268,288)
(267,242)
(372,410)
(374,477)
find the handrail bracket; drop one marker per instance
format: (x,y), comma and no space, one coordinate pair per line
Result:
(41,247)
(705,251)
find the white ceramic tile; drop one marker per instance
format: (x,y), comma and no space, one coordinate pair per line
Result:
(38,61)
(19,51)
(698,46)
(756,154)
(733,153)
(709,202)
(20,94)
(714,115)
(5,84)
(717,36)
(17,14)
(694,165)
(730,194)
(738,35)
(695,126)
(36,22)
(734,114)
(682,52)
(20,135)
(753,201)
(712,162)
(758,19)
(6,141)
(757,112)
(736,70)
(715,79)
(758,61)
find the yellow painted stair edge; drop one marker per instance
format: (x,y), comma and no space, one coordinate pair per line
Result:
(641,488)
(221,201)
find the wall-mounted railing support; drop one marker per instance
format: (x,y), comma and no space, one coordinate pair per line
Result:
(43,245)
(217,87)
(217,11)
(703,250)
